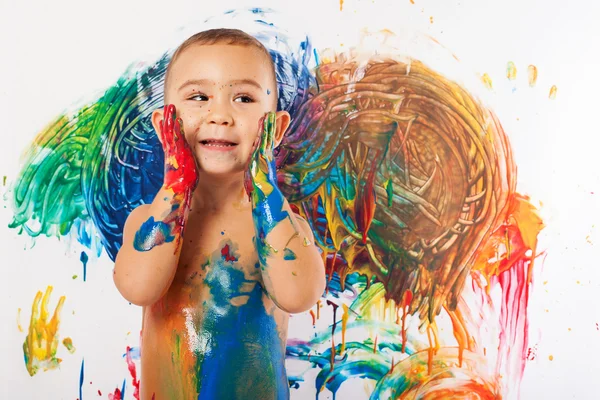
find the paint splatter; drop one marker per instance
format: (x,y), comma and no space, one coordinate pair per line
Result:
(19,320)
(227,255)
(552,94)
(431,20)
(341,4)
(288,254)
(551,357)
(4,180)
(511,71)
(532,74)
(487,81)
(81,377)
(132,371)
(83,257)
(68,343)
(41,343)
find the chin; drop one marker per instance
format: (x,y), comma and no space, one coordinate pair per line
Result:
(220,171)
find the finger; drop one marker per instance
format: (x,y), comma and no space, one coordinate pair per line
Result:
(179,133)
(271,133)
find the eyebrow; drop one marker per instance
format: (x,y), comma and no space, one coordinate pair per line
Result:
(235,82)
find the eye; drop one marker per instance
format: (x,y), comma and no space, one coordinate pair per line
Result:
(198,97)
(243,98)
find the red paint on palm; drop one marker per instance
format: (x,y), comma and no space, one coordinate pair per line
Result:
(181,174)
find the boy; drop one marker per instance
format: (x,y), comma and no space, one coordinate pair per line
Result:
(216,300)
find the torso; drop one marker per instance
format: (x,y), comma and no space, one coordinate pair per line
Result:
(215,334)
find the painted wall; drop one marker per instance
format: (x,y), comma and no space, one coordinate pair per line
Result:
(515,82)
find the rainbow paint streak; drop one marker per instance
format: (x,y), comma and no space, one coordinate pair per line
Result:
(408,183)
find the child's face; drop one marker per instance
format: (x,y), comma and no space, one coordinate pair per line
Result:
(221,92)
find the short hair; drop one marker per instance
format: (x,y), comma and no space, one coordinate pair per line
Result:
(234,37)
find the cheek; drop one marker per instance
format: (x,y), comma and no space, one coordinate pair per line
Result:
(191,125)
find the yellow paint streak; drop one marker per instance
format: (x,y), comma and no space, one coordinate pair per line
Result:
(487,81)
(41,342)
(511,71)
(532,74)
(19,320)
(344,323)
(552,94)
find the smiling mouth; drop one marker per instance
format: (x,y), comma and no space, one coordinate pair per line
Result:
(218,143)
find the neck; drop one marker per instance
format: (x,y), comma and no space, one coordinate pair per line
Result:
(219,194)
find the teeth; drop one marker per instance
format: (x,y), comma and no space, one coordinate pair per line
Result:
(215,144)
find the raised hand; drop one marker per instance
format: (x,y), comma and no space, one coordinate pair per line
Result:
(261,185)
(181,173)
(181,177)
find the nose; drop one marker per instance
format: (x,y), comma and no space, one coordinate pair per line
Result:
(219,114)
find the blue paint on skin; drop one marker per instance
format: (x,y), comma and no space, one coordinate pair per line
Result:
(243,355)
(267,213)
(288,254)
(152,233)
(268,91)
(84,260)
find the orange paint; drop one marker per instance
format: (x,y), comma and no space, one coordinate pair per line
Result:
(552,94)
(532,74)
(341,4)
(312,314)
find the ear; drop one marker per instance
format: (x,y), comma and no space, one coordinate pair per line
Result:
(282,122)
(157,116)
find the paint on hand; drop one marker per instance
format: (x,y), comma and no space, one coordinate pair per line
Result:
(181,178)
(511,71)
(532,74)
(262,188)
(41,343)
(68,343)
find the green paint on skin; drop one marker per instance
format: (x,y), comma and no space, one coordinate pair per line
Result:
(288,254)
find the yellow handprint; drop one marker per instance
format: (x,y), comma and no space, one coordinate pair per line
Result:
(41,342)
